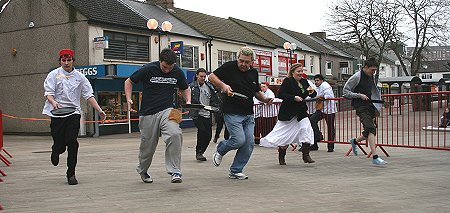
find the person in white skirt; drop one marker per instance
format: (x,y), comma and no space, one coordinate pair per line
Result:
(293,124)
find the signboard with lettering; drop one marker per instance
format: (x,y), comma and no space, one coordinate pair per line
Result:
(263,62)
(94,71)
(177,47)
(101,42)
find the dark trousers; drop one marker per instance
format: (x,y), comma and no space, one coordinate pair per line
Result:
(64,133)
(329,118)
(220,126)
(204,133)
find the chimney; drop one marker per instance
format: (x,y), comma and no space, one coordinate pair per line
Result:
(168,4)
(322,35)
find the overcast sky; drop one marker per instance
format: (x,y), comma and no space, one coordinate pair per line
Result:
(303,16)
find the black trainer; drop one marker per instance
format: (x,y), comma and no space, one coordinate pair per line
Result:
(146,178)
(72,180)
(54,158)
(200,157)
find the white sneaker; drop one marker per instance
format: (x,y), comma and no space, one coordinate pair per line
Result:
(379,161)
(176,178)
(217,159)
(239,176)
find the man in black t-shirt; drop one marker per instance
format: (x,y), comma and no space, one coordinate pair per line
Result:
(157,115)
(238,76)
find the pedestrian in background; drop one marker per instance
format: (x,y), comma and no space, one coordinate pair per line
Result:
(64,87)
(238,76)
(325,109)
(363,92)
(265,114)
(157,115)
(220,123)
(293,123)
(202,92)
(445,118)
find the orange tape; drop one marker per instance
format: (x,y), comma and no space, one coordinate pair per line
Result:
(85,121)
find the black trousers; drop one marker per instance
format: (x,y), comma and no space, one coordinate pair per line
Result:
(204,133)
(64,133)
(220,126)
(329,118)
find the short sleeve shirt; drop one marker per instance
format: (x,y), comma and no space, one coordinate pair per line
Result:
(242,82)
(159,87)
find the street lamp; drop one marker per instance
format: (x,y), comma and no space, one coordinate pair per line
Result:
(290,47)
(166,26)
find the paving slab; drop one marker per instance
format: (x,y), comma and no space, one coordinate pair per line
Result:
(415,180)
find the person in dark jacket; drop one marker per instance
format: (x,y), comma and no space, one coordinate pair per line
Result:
(202,92)
(293,124)
(445,118)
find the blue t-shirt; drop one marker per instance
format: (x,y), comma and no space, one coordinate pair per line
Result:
(242,82)
(159,87)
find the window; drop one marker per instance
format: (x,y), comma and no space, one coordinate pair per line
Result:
(343,67)
(127,47)
(189,58)
(311,63)
(329,68)
(427,76)
(225,56)
(115,106)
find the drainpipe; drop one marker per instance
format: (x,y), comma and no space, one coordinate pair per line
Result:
(210,54)
(206,56)
(320,63)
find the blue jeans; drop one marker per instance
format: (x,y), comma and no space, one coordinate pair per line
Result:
(241,128)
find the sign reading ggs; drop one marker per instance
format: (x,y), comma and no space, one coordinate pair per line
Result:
(94,71)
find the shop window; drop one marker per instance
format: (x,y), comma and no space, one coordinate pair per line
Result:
(225,56)
(189,58)
(115,106)
(127,47)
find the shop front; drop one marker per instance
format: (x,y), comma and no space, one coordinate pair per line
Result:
(108,84)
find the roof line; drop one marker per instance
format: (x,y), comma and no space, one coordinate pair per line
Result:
(234,20)
(132,9)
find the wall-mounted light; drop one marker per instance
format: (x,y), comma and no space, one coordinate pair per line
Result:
(165,27)
(290,47)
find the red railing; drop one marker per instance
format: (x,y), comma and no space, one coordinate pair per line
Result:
(408,120)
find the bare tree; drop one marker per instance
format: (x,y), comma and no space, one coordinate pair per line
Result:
(370,24)
(379,26)
(426,23)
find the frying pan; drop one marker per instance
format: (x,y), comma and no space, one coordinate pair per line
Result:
(200,106)
(63,111)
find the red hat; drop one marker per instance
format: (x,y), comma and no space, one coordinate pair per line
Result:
(64,52)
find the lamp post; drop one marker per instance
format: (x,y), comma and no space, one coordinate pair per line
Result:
(397,63)
(290,47)
(166,26)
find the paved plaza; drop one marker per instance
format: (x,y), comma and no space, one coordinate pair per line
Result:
(415,180)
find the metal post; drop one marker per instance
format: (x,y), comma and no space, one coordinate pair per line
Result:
(159,42)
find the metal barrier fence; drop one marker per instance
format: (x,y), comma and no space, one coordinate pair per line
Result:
(410,120)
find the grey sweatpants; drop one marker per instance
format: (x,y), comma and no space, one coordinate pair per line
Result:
(151,126)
